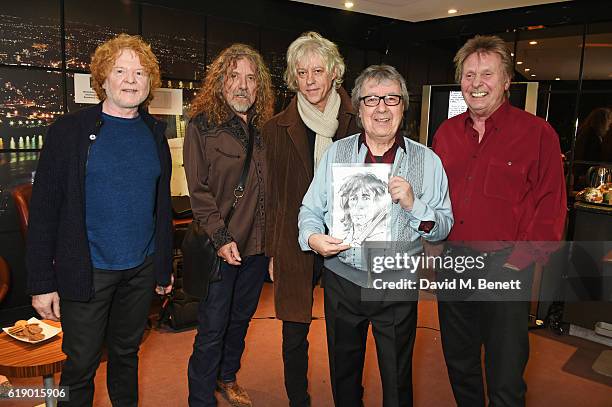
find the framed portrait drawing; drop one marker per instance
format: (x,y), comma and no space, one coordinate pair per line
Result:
(361,203)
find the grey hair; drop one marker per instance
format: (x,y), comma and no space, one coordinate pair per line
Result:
(379,73)
(313,42)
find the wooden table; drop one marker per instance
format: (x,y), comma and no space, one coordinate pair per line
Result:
(21,359)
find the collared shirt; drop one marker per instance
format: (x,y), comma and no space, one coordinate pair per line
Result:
(507,187)
(419,165)
(214,158)
(388,156)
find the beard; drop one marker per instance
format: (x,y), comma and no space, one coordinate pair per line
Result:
(240,107)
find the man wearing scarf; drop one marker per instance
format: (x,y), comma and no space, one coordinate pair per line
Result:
(296,139)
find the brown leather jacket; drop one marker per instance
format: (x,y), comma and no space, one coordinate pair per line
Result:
(213,159)
(290,170)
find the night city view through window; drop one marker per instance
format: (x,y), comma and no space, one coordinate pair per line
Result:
(30,101)
(31,75)
(179,57)
(178,40)
(30,33)
(30,98)
(82,40)
(89,23)
(28,42)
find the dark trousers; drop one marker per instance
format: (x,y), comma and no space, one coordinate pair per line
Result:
(223,320)
(347,320)
(295,353)
(115,316)
(502,328)
(295,362)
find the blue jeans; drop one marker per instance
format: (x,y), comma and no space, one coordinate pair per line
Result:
(223,320)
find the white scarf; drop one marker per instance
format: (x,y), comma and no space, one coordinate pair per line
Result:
(324,124)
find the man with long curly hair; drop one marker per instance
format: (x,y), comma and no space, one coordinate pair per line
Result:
(234,102)
(100,233)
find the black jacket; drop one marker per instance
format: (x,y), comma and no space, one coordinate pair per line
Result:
(57,253)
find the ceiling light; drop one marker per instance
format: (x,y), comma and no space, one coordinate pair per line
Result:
(452,11)
(533,42)
(532,74)
(348,4)
(527,69)
(557,78)
(519,62)
(512,54)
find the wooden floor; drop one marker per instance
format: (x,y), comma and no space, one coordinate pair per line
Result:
(558,373)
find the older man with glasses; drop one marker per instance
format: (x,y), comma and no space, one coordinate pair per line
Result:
(421,208)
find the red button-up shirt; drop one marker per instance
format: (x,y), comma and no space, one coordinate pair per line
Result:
(507,187)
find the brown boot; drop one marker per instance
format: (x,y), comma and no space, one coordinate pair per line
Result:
(234,394)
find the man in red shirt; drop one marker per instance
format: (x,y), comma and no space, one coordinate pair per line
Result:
(506,184)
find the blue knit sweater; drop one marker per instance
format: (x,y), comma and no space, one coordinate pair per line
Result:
(57,249)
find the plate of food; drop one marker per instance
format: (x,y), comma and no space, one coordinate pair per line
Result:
(601,195)
(32,331)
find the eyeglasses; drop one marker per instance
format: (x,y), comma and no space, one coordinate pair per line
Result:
(373,100)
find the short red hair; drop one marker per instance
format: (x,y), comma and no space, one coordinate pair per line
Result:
(104,58)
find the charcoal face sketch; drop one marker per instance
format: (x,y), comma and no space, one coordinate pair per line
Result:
(361,203)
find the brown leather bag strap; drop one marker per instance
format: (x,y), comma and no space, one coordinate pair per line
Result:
(239,190)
